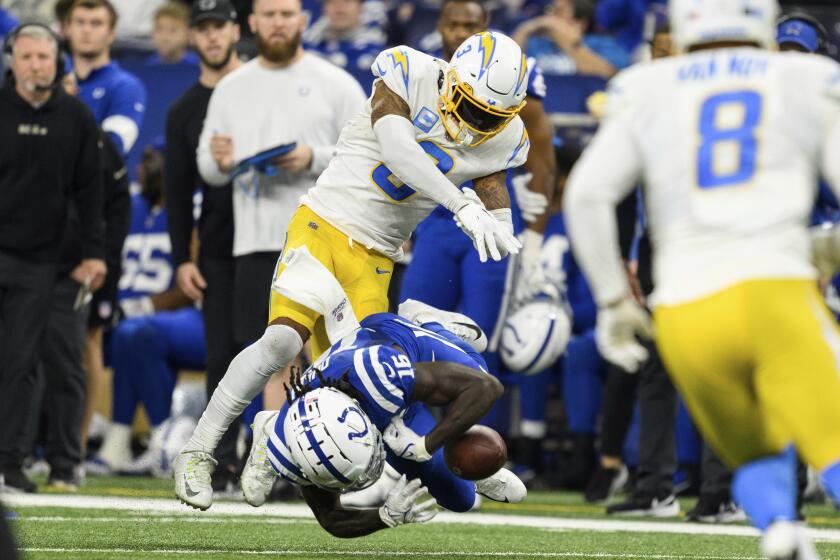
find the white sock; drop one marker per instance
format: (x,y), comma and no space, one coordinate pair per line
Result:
(116,448)
(246,376)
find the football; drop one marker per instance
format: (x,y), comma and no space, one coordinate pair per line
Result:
(478,453)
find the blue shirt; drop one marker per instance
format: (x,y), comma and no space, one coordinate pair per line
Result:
(118,102)
(147,253)
(576,288)
(354,52)
(7,22)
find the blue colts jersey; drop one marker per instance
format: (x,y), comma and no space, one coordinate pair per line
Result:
(382,375)
(147,252)
(117,100)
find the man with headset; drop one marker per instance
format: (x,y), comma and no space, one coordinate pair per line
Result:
(50,156)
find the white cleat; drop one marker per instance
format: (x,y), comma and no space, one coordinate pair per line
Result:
(258,475)
(504,486)
(785,540)
(375,494)
(191,471)
(460,325)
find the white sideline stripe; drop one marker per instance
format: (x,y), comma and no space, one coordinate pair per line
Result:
(167,519)
(391,554)
(156,506)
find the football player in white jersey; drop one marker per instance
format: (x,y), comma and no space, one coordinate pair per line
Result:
(728,140)
(429,126)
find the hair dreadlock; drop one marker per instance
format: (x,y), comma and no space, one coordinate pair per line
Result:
(296,388)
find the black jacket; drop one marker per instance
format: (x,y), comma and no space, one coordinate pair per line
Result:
(215,228)
(48,156)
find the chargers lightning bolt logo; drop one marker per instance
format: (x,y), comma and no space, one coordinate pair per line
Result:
(400,60)
(487,46)
(523,70)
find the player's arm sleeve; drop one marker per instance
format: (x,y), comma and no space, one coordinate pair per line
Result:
(406,159)
(212,123)
(88,191)
(606,173)
(125,116)
(179,184)
(349,100)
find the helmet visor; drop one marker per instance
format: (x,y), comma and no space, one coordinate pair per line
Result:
(476,116)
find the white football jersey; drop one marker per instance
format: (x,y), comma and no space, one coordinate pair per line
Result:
(361,197)
(728,144)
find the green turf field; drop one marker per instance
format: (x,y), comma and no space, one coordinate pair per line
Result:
(145,524)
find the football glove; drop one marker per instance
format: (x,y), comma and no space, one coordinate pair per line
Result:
(530,278)
(532,204)
(490,232)
(615,334)
(401,505)
(404,442)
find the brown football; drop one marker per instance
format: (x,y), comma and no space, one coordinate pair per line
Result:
(477,453)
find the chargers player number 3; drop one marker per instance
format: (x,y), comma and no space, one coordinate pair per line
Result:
(398,191)
(716,136)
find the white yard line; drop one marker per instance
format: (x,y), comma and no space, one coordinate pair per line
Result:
(392,554)
(158,506)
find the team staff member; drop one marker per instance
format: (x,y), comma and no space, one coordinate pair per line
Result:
(214,37)
(284,95)
(50,156)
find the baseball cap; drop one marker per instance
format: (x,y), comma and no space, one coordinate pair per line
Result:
(202,10)
(800,32)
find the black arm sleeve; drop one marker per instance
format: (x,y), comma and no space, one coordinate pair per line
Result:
(626,214)
(87,189)
(117,200)
(179,184)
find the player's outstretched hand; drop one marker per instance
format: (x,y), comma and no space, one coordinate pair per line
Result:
(401,505)
(488,233)
(616,330)
(404,442)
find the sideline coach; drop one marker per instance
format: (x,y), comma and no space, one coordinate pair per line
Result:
(49,158)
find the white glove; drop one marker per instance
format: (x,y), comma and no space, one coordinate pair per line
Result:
(404,442)
(489,234)
(531,204)
(401,504)
(137,307)
(530,278)
(825,249)
(615,334)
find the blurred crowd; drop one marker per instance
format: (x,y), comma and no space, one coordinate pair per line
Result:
(149,233)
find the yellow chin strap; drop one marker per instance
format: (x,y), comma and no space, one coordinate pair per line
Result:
(455,92)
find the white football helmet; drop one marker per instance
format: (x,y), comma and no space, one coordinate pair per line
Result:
(484,88)
(535,336)
(697,22)
(333,441)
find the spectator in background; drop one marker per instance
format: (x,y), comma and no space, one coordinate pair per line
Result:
(50,155)
(71,312)
(214,33)
(626,19)
(7,21)
(116,97)
(136,16)
(575,61)
(171,36)
(342,37)
(161,331)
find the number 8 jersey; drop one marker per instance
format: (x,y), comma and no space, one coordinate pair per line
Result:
(360,196)
(726,143)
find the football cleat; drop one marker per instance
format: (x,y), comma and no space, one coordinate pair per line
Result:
(504,486)
(460,325)
(785,540)
(647,506)
(191,471)
(258,475)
